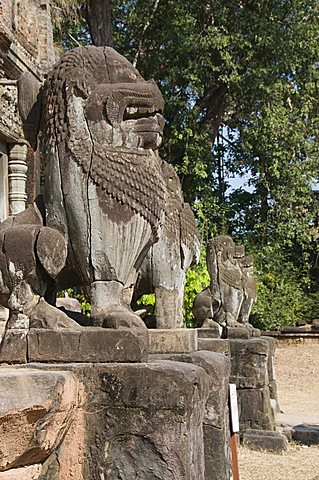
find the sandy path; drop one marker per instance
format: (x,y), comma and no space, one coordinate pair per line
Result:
(297,370)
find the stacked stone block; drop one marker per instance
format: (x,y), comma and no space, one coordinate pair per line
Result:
(249,371)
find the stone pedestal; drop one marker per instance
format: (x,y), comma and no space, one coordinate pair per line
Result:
(217,345)
(216,418)
(213,332)
(89,344)
(238,333)
(93,421)
(249,371)
(179,340)
(272,374)
(265,440)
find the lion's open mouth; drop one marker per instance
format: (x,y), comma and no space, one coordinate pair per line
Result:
(134,113)
(143,119)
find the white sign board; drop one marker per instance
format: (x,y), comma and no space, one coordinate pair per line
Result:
(233,406)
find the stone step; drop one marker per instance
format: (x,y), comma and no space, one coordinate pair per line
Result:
(301,428)
(265,440)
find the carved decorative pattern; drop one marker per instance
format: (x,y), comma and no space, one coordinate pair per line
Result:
(231,277)
(131,180)
(179,218)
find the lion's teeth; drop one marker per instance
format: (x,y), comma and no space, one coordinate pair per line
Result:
(131,110)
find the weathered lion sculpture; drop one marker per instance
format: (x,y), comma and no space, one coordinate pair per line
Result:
(98,124)
(228,300)
(164,269)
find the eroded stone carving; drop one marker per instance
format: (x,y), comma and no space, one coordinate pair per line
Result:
(226,287)
(250,289)
(163,270)
(31,257)
(106,194)
(232,291)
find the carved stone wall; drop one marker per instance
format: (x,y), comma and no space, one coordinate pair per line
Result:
(26,44)
(10,123)
(26,41)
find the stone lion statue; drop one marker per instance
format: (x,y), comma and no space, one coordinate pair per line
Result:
(231,294)
(108,196)
(100,127)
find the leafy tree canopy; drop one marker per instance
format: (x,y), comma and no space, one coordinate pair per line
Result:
(240,79)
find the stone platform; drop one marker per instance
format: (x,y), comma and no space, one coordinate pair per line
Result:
(216,417)
(89,421)
(284,339)
(251,372)
(88,344)
(177,340)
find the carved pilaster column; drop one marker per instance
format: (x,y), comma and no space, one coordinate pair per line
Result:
(17,168)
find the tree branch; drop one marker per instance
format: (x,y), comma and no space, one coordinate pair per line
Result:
(147,24)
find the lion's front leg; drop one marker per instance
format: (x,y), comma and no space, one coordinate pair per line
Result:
(108,309)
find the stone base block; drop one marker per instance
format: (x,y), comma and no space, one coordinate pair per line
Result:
(180,340)
(255,410)
(271,372)
(306,434)
(216,426)
(237,332)
(208,332)
(149,423)
(249,361)
(136,420)
(96,345)
(214,345)
(13,348)
(265,440)
(217,454)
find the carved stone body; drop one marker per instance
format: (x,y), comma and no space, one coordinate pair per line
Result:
(250,294)
(250,289)
(107,192)
(104,189)
(226,280)
(232,291)
(32,255)
(164,268)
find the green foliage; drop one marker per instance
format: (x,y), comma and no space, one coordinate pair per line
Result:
(278,305)
(149,301)
(197,278)
(283,295)
(69,27)
(241,83)
(81,297)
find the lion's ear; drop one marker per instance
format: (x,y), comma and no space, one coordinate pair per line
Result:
(30,97)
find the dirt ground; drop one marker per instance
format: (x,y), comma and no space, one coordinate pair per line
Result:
(297,375)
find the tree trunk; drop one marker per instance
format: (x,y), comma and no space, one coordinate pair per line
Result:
(264,192)
(97,14)
(214,104)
